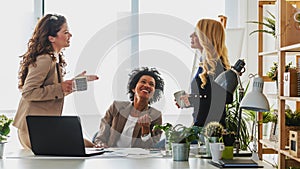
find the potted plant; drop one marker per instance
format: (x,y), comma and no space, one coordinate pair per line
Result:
(269,23)
(273,72)
(232,114)
(180,137)
(165,127)
(292,122)
(214,143)
(213,131)
(228,138)
(4,131)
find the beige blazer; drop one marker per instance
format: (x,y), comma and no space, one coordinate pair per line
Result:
(41,93)
(112,124)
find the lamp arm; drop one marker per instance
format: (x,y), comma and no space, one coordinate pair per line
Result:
(241,95)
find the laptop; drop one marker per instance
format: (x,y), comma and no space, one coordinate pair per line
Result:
(57,136)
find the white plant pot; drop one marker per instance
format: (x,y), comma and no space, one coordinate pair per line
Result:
(2,150)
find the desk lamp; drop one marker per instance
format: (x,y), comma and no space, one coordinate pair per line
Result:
(256,101)
(229,81)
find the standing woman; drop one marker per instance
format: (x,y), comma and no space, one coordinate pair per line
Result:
(41,74)
(207,98)
(130,123)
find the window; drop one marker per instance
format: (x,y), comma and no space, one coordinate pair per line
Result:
(101,44)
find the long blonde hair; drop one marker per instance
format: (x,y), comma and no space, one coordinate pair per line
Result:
(211,35)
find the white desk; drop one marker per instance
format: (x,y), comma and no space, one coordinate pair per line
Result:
(25,162)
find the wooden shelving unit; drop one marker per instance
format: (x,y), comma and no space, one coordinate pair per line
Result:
(288,42)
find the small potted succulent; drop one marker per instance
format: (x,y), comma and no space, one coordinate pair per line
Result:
(213,131)
(214,143)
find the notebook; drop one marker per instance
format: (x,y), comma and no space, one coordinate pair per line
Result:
(57,136)
(236,163)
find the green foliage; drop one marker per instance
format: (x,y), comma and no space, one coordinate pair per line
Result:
(268,116)
(269,24)
(273,72)
(180,133)
(165,127)
(232,114)
(4,127)
(292,118)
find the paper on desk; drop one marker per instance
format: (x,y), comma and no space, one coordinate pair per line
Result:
(130,151)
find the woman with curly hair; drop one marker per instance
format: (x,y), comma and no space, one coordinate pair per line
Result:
(130,123)
(41,73)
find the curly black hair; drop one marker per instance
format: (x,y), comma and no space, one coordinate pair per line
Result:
(135,76)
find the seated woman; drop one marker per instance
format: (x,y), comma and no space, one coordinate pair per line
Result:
(130,123)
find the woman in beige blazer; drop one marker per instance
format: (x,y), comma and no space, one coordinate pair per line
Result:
(130,123)
(41,73)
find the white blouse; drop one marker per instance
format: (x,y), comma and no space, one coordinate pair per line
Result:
(126,136)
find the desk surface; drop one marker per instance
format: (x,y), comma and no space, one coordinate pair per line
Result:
(26,162)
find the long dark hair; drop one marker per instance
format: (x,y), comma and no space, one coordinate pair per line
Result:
(39,44)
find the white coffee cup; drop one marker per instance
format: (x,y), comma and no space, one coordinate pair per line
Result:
(79,83)
(179,101)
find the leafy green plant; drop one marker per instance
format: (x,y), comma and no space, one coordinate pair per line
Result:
(165,127)
(273,72)
(4,127)
(180,133)
(232,114)
(292,118)
(269,24)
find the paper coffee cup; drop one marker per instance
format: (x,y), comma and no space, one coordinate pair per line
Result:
(79,83)
(177,96)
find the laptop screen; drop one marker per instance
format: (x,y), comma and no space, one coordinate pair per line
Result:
(56,135)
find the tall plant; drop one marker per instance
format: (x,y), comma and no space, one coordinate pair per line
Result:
(232,114)
(269,23)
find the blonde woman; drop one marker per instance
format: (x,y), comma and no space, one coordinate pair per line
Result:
(207,98)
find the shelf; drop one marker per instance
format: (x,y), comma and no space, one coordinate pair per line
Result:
(272,96)
(270,144)
(265,2)
(291,48)
(297,99)
(287,154)
(268,53)
(267,79)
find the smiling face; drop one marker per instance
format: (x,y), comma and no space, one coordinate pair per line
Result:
(144,88)
(62,38)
